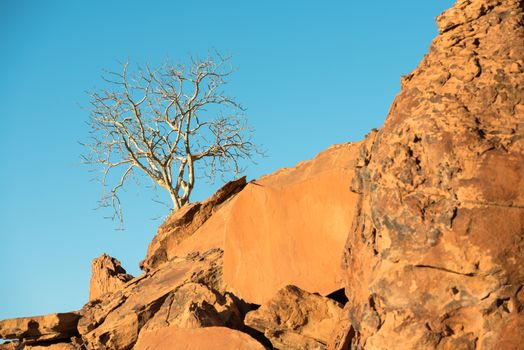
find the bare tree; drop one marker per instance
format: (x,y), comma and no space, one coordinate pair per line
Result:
(164,122)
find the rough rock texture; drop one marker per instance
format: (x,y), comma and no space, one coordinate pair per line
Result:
(290,228)
(194,305)
(12,345)
(185,222)
(115,321)
(431,233)
(216,338)
(296,319)
(48,327)
(107,276)
(24,346)
(343,333)
(435,256)
(56,346)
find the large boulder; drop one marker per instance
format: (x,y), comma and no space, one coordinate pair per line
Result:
(434,258)
(48,327)
(290,227)
(216,338)
(297,320)
(53,346)
(107,276)
(194,305)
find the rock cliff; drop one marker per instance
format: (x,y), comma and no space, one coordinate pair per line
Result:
(434,257)
(412,238)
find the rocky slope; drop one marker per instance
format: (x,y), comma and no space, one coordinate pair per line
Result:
(421,223)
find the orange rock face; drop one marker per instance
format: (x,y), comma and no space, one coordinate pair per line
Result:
(434,259)
(217,338)
(107,276)
(290,228)
(184,223)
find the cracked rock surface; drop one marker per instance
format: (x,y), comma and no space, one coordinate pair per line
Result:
(435,256)
(107,276)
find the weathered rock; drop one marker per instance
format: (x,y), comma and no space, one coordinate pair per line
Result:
(107,276)
(115,321)
(55,346)
(343,333)
(194,305)
(290,228)
(296,319)
(11,345)
(183,223)
(434,259)
(216,338)
(48,327)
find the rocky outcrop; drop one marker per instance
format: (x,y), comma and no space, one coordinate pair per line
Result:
(40,328)
(115,321)
(107,276)
(216,338)
(426,214)
(185,222)
(296,319)
(290,228)
(434,259)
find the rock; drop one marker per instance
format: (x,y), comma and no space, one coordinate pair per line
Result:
(343,333)
(216,338)
(115,321)
(210,235)
(107,276)
(48,327)
(194,305)
(11,345)
(290,228)
(183,223)
(434,257)
(296,319)
(55,346)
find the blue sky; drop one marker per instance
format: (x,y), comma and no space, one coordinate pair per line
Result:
(311,74)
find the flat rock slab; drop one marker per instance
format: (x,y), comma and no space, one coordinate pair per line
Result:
(216,338)
(48,327)
(290,227)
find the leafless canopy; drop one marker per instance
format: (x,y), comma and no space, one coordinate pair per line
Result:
(162,122)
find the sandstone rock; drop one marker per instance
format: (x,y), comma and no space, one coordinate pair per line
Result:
(296,319)
(11,345)
(107,276)
(434,258)
(48,327)
(114,322)
(56,346)
(216,338)
(343,333)
(210,235)
(185,222)
(194,305)
(290,228)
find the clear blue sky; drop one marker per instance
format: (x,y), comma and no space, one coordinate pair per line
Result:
(311,73)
